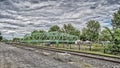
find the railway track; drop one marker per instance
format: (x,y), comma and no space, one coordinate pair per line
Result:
(83,54)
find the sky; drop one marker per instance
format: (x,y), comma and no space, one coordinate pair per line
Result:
(19,17)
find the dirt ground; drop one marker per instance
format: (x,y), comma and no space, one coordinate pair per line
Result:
(13,57)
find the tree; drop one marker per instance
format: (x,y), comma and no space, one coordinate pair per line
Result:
(84,34)
(93,29)
(105,35)
(77,33)
(116,36)
(37,31)
(116,19)
(54,28)
(114,48)
(16,39)
(116,26)
(70,29)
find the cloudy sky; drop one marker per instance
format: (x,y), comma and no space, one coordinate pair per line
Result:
(18,17)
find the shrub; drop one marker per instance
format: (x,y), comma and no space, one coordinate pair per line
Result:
(113,49)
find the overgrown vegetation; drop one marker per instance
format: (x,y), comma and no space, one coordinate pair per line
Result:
(114,47)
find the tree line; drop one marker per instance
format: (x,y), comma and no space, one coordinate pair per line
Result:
(92,32)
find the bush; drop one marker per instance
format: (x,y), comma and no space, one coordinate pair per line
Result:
(113,49)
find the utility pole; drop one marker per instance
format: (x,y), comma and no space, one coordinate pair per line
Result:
(12,37)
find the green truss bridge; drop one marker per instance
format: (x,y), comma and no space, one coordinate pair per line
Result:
(49,37)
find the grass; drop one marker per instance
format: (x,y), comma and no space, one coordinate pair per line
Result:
(83,51)
(91,52)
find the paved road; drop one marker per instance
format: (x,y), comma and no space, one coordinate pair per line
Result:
(13,57)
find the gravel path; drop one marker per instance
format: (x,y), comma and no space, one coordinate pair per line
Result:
(13,57)
(80,61)
(26,57)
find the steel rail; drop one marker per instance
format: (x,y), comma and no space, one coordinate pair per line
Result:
(83,54)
